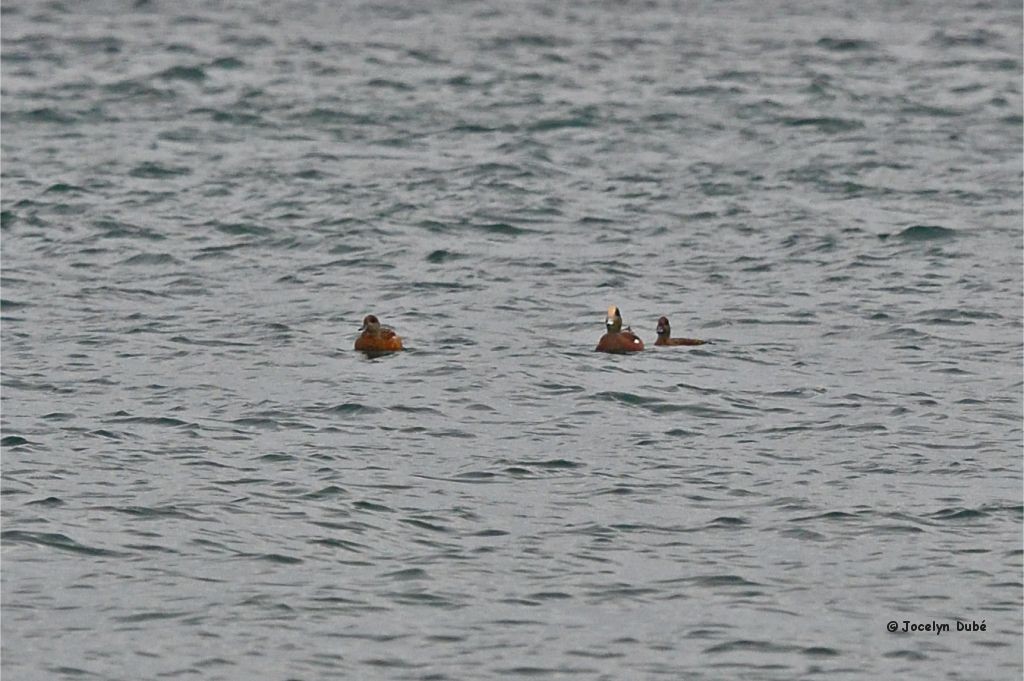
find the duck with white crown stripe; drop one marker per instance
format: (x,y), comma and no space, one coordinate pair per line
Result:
(617,339)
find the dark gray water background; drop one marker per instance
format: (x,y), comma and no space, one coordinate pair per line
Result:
(201,200)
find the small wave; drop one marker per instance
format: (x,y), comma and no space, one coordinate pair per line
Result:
(156,171)
(372,507)
(500,228)
(618,490)
(153,421)
(276,458)
(442,256)
(924,233)
(191,73)
(240,228)
(111,292)
(560,388)
(433,226)
(55,541)
(976,38)
(844,44)
(622,592)
(256,422)
(133,87)
(707,90)
(329,492)
(412,598)
(44,115)
(529,40)
(152,512)
(840,516)
(353,547)
(388,84)
(554,464)
(424,525)
(825,124)
(626,398)
(108,434)
(443,286)
(721,580)
(958,514)
(804,535)
(279,558)
(475,476)
(476,128)
(115,229)
(321,115)
(550,596)
(228,63)
(240,118)
(209,342)
(895,529)
(406,574)
(750,646)
(48,501)
(148,617)
(350,409)
(405,409)
(911,655)
(582,118)
(952,317)
(490,533)
(64,188)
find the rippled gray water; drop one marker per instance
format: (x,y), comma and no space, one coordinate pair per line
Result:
(202,480)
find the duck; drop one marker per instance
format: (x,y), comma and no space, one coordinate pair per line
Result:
(618,339)
(377,338)
(665,331)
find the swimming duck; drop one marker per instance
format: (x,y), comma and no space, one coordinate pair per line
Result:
(617,339)
(664,331)
(377,338)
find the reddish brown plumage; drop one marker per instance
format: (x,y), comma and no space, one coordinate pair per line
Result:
(622,341)
(377,338)
(618,339)
(665,333)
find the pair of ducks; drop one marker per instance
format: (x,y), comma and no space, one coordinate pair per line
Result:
(376,338)
(618,339)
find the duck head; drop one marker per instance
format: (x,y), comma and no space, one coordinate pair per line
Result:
(370,324)
(613,321)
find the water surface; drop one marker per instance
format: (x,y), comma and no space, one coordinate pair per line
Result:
(202,480)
